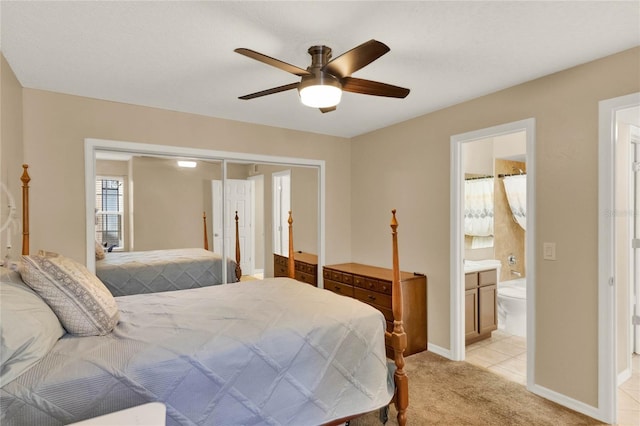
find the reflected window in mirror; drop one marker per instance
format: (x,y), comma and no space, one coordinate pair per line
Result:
(109,219)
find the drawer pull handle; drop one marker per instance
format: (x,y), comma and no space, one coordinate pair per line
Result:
(371,297)
(337,288)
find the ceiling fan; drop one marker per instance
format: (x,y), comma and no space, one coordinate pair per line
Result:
(324,80)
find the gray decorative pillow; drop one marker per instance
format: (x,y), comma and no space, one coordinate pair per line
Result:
(28,327)
(83,304)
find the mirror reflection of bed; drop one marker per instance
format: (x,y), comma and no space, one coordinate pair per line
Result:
(163,204)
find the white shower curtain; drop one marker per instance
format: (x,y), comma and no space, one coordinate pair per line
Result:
(516,189)
(478,207)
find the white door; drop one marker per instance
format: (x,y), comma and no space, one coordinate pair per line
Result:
(238,198)
(281,208)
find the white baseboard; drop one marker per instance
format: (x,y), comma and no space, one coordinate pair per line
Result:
(624,376)
(438,350)
(571,403)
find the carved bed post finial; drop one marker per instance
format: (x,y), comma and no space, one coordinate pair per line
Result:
(398,336)
(238,268)
(291,265)
(25,178)
(206,239)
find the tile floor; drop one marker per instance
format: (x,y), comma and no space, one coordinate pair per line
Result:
(506,355)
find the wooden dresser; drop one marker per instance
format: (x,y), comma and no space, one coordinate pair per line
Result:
(306,265)
(372,285)
(480,301)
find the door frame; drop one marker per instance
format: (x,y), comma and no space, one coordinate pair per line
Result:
(607,330)
(457,344)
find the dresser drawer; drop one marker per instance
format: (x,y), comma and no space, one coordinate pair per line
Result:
(306,278)
(305,267)
(280,271)
(372,297)
(326,273)
(338,277)
(339,288)
(370,284)
(385,287)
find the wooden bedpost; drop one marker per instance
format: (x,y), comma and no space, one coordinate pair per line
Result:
(292,261)
(25,178)
(398,336)
(238,268)
(206,238)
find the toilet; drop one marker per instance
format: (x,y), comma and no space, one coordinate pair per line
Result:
(512,307)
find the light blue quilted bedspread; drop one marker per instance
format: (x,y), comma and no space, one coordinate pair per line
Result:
(274,352)
(137,272)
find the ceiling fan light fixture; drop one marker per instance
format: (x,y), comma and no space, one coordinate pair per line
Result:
(320,91)
(320,96)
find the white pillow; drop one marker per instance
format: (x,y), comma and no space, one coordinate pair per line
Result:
(28,327)
(83,304)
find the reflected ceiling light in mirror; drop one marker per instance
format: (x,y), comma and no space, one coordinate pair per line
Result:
(188,164)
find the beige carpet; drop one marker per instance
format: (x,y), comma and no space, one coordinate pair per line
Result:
(443,392)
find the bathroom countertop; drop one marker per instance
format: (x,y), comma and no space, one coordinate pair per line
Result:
(481,265)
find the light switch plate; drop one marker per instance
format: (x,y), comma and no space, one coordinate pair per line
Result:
(549,251)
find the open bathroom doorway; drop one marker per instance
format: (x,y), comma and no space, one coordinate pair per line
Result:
(619,259)
(492,252)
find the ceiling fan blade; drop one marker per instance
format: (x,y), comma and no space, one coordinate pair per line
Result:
(368,87)
(356,58)
(328,109)
(270,91)
(272,61)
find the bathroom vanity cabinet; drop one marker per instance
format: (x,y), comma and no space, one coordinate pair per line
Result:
(481,316)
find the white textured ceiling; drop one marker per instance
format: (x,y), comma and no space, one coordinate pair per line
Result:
(179,55)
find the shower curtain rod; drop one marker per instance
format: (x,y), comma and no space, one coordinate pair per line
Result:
(511,174)
(479,177)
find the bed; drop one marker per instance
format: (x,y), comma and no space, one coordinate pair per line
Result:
(259,352)
(137,272)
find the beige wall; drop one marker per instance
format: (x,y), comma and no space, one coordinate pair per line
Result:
(407,166)
(168,203)
(509,236)
(11,158)
(477,157)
